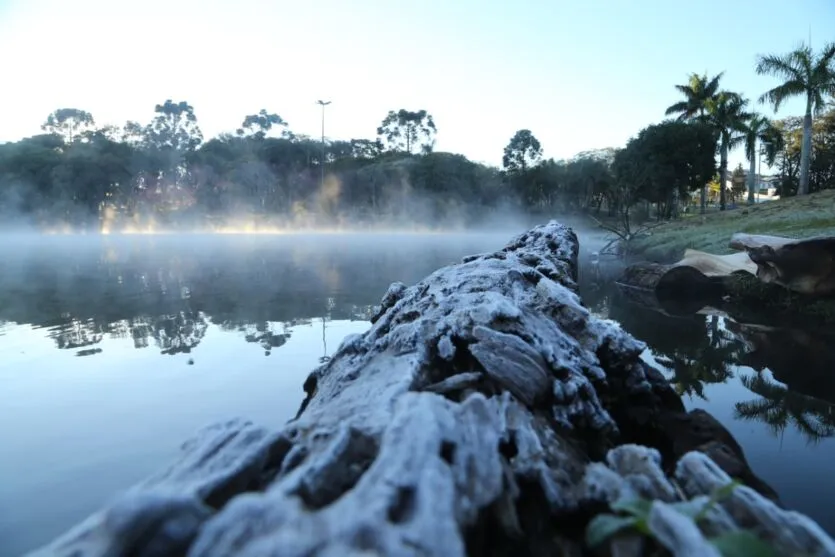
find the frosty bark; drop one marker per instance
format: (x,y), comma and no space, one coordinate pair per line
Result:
(473,417)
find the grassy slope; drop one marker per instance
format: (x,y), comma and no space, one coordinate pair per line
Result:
(794,217)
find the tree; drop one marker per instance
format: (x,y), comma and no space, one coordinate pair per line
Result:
(726,113)
(698,91)
(522,152)
(788,142)
(738,180)
(805,74)
(403,130)
(666,161)
(258,125)
(175,127)
(759,129)
(68,123)
(366,148)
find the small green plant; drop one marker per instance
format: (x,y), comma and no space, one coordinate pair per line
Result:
(633,514)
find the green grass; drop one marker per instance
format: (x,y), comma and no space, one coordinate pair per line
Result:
(794,217)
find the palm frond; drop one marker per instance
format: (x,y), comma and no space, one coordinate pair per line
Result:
(685,90)
(682,107)
(779,94)
(735,141)
(779,66)
(812,429)
(827,57)
(712,86)
(753,409)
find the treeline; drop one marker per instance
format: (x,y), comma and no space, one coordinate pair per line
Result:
(163,174)
(664,164)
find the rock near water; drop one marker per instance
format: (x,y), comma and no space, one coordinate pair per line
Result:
(485,412)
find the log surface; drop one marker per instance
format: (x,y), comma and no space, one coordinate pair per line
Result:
(806,265)
(485,411)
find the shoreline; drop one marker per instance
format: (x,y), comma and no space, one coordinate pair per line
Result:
(793,217)
(743,295)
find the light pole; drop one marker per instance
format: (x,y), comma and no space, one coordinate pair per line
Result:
(322,165)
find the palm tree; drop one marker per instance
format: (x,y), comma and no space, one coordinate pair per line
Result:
(805,74)
(726,113)
(760,129)
(696,94)
(698,90)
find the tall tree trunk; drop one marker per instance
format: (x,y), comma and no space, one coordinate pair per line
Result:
(752,168)
(723,173)
(703,196)
(806,149)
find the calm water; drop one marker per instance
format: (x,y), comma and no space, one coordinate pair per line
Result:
(115,350)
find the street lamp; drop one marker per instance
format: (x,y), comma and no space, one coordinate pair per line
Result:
(322,165)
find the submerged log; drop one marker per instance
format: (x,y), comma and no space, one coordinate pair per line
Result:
(485,412)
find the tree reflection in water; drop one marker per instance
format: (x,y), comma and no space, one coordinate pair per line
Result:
(780,408)
(696,350)
(166,292)
(710,360)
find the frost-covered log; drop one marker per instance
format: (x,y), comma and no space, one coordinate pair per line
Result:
(485,411)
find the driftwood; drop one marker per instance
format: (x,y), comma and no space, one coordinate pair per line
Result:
(806,266)
(485,412)
(675,280)
(697,273)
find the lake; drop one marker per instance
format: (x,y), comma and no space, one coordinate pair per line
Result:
(117,349)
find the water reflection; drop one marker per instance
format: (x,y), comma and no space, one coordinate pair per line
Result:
(164,293)
(780,408)
(115,350)
(772,386)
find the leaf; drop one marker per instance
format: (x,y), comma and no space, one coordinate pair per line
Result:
(742,543)
(725,490)
(695,508)
(604,526)
(718,495)
(635,506)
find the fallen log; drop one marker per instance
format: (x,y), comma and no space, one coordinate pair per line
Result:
(806,266)
(670,280)
(485,412)
(683,287)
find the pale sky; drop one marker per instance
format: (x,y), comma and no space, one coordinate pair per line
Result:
(581,74)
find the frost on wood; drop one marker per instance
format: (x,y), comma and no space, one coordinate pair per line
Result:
(474,416)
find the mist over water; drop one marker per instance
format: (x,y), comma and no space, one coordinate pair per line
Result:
(119,347)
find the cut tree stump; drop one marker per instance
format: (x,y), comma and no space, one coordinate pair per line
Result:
(484,412)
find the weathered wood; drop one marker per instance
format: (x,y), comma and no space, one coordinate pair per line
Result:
(671,281)
(806,266)
(716,265)
(477,415)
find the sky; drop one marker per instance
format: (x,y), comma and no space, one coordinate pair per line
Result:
(579,74)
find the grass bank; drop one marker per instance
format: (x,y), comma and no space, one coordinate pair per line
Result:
(793,217)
